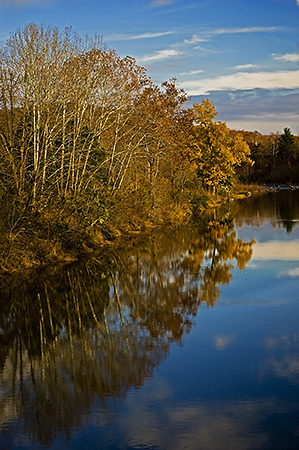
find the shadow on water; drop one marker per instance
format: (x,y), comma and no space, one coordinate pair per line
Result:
(96,330)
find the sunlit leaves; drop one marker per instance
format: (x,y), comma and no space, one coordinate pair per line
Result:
(216,151)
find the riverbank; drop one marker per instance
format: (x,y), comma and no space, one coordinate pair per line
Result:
(41,243)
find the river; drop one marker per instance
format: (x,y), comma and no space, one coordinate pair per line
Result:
(186,339)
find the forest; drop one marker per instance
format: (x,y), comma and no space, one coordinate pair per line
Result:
(92,149)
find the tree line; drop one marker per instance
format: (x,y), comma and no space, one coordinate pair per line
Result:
(88,141)
(275,156)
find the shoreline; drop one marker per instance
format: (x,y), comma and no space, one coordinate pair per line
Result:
(51,254)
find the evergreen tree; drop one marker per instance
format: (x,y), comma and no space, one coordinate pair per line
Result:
(285,150)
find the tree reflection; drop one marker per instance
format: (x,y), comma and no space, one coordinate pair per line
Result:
(223,249)
(279,207)
(98,329)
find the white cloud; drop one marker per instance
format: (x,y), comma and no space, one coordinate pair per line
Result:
(276,250)
(161,55)
(245,30)
(192,72)
(204,36)
(246,66)
(205,49)
(293,273)
(126,37)
(265,124)
(244,80)
(289,57)
(195,39)
(257,109)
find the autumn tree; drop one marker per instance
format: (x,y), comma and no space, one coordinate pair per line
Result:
(86,137)
(156,167)
(215,150)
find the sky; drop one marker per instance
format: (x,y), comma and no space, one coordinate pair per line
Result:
(241,54)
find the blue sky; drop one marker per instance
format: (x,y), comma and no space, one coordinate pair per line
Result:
(242,54)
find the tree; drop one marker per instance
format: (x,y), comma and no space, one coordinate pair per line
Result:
(285,150)
(216,151)
(37,91)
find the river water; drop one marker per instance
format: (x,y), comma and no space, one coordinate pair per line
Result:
(182,340)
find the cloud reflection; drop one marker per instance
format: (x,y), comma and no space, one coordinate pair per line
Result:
(276,250)
(282,367)
(221,342)
(198,425)
(293,273)
(287,367)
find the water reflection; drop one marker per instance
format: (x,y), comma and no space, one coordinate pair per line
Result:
(94,331)
(276,250)
(279,208)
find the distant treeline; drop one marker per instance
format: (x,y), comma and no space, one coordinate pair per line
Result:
(275,156)
(90,145)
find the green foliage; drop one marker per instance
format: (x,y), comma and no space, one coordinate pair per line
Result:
(276,158)
(285,150)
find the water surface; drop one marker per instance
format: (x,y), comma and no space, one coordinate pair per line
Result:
(184,340)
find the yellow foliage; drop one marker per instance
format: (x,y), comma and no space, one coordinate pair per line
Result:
(215,150)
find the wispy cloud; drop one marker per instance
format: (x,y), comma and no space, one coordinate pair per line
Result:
(246,30)
(245,80)
(206,35)
(155,3)
(196,39)
(206,50)
(127,37)
(289,57)
(162,55)
(192,72)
